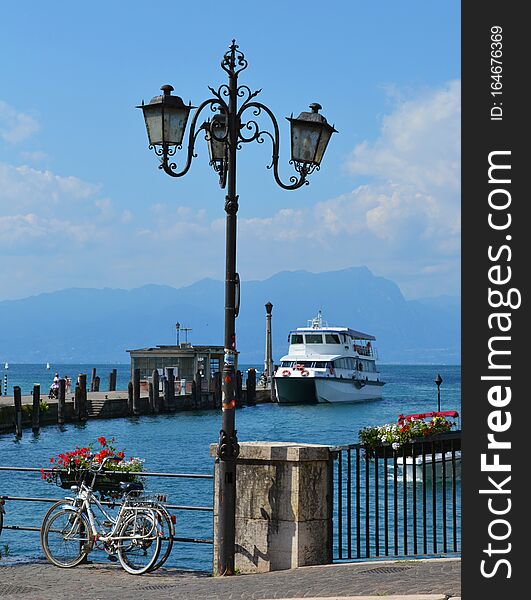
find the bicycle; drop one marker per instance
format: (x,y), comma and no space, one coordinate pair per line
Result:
(69,532)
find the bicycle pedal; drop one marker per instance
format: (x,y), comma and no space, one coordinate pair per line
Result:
(112,558)
(107,523)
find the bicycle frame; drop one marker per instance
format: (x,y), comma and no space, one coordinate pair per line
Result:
(87,498)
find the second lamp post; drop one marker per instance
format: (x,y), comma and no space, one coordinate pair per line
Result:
(233,124)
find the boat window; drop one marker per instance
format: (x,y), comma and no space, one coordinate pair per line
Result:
(296,338)
(314,338)
(286,363)
(367,365)
(351,364)
(303,363)
(319,364)
(331,338)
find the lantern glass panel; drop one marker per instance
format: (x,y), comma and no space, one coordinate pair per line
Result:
(218,131)
(326,134)
(153,118)
(175,118)
(304,141)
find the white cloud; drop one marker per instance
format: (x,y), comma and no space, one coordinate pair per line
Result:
(419,142)
(403,222)
(24,188)
(15,126)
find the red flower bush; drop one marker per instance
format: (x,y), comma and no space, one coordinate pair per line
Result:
(81,459)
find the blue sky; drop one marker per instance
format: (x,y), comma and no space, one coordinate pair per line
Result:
(82,202)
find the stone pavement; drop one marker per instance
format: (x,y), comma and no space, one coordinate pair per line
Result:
(433,579)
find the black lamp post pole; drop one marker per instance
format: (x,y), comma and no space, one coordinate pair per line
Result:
(166,118)
(228,444)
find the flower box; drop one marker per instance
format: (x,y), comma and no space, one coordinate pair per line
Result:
(442,442)
(108,483)
(79,465)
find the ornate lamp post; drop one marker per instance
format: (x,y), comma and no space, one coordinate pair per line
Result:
(233,124)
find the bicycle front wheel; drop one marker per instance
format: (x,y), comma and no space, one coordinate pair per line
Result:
(139,547)
(66,538)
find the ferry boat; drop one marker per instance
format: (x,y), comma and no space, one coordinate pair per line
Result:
(328,364)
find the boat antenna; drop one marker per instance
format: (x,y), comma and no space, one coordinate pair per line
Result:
(317,321)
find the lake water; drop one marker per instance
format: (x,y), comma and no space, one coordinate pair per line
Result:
(179,443)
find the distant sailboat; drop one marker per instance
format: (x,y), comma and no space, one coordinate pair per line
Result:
(47,365)
(6,366)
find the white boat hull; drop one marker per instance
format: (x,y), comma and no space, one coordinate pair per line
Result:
(416,467)
(312,390)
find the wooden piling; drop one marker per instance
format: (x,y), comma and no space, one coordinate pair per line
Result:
(193,401)
(61,405)
(112,381)
(77,402)
(136,391)
(170,389)
(164,397)
(150,397)
(130,397)
(93,380)
(251,387)
(83,400)
(17,398)
(197,401)
(35,413)
(156,397)
(97,383)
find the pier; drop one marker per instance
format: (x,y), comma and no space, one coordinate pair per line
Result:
(114,404)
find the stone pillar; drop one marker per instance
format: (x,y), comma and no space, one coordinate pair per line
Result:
(284,506)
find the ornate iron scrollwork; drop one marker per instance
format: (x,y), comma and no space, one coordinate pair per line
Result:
(228,447)
(247,130)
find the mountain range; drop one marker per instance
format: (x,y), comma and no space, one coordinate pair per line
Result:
(79,325)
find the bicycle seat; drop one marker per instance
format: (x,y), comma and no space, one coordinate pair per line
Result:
(130,486)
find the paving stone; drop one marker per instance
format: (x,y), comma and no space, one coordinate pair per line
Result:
(42,581)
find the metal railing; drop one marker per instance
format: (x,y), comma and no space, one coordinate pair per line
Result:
(50,500)
(398,503)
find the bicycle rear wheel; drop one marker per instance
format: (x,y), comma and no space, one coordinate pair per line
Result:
(166,532)
(66,538)
(139,551)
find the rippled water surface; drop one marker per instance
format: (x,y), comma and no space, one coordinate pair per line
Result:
(180,443)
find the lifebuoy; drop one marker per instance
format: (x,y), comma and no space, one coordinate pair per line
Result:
(305,373)
(286,373)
